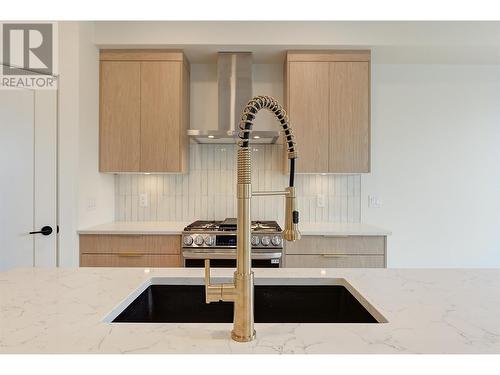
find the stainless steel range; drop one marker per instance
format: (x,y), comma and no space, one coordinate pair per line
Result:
(216,240)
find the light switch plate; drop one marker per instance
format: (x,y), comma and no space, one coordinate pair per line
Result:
(374,201)
(91,204)
(143,200)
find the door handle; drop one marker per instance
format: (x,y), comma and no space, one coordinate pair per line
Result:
(46,230)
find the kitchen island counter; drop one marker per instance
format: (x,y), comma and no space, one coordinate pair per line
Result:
(428,311)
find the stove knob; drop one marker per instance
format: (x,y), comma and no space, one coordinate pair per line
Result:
(255,241)
(188,240)
(276,240)
(198,240)
(209,241)
(265,241)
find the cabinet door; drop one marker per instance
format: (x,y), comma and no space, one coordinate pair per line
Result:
(129,244)
(119,145)
(130,260)
(351,245)
(161,128)
(335,261)
(119,250)
(349,117)
(308,105)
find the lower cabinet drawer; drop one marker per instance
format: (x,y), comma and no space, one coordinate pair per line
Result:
(355,245)
(335,261)
(130,260)
(125,243)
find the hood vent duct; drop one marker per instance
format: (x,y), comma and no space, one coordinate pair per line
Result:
(234,80)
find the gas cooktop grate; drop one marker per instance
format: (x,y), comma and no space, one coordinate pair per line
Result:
(229,225)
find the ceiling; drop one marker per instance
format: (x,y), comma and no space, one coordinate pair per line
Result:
(432,42)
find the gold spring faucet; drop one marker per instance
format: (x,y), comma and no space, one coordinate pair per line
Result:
(241,290)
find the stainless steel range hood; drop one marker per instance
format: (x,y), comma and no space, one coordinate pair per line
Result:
(234,78)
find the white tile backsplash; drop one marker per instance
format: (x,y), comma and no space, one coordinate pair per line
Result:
(208,190)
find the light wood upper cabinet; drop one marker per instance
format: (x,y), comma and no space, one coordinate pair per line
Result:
(144,108)
(328,102)
(349,117)
(308,111)
(160,116)
(120,122)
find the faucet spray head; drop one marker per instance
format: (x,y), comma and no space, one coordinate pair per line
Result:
(291,232)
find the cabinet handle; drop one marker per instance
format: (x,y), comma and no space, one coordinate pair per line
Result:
(130,255)
(334,255)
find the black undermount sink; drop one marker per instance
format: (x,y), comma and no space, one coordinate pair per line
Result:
(273,304)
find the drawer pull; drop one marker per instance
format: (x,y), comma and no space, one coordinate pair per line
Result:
(130,255)
(334,255)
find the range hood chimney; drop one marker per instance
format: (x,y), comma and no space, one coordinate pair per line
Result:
(234,79)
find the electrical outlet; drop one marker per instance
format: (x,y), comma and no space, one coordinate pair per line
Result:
(320,200)
(374,201)
(143,200)
(91,204)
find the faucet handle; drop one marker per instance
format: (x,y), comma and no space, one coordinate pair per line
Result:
(208,287)
(207,272)
(217,292)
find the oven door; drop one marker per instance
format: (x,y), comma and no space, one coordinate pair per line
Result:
(228,259)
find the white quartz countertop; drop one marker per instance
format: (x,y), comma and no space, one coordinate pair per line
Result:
(174,227)
(428,311)
(341,229)
(137,227)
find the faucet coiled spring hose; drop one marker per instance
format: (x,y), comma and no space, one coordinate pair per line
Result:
(246,124)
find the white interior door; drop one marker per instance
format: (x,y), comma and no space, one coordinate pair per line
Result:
(28,167)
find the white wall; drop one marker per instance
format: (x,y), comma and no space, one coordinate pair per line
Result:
(68,142)
(96,190)
(79,179)
(436,164)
